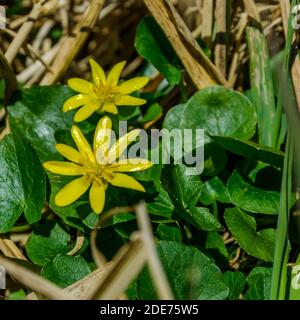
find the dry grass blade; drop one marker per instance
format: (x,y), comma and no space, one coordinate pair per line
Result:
(285,10)
(85,288)
(71,44)
(78,245)
(201,70)
(36,69)
(33,281)
(221,30)
(239,50)
(9,249)
(207,23)
(125,267)
(193,47)
(24,31)
(155,267)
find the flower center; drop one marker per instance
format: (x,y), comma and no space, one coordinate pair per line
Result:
(97,172)
(105,92)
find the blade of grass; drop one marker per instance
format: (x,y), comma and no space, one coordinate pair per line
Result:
(279,274)
(261,77)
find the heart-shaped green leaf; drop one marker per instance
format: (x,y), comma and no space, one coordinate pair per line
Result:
(46,242)
(192,275)
(221,112)
(259,244)
(250,198)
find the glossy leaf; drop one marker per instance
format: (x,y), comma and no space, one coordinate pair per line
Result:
(250,198)
(65,270)
(153,45)
(22,183)
(259,244)
(221,112)
(250,150)
(46,242)
(191,274)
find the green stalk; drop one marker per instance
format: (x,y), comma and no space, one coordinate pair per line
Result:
(279,275)
(281,255)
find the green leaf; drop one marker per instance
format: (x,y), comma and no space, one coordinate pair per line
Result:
(250,198)
(251,150)
(201,218)
(215,245)
(46,242)
(215,160)
(162,206)
(221,112)
(215,156)
(173,117)
(214,190)
(65,270)
(169,232)
(191,274)
(22,183)
(38,120)
(236,282)
(17,295)
(261,84)
(152,44)
(259,283)
(184,189)
(152,113)
(243,227)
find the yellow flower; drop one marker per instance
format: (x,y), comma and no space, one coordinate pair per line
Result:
(97,167)
(104,93)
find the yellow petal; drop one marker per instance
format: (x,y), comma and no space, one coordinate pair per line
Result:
(76,102)
(120,145)
(133,85)
(115,73)
(81,85)
(130,165)
(124,181)
(97,72)
(68,152)
(82,144)
(110,107)
(86,111)
(72,191)
(97,197)
(125,100)
(102,138)
(64,168)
